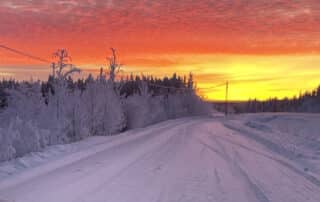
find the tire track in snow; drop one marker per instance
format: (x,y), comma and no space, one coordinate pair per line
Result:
(276,149)
(238,171)
(159,152)
(214,139)
(259,194)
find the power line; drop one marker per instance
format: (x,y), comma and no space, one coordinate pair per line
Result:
(156,85)
(213,87)
(24,54)
(168,87)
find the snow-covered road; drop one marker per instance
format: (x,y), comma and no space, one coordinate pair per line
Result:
(182,160)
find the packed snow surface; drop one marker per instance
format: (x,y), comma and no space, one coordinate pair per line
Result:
(263,157)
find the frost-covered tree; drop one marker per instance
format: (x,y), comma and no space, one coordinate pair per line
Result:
(103,108)
(114,66)
(63,68)
(26,101)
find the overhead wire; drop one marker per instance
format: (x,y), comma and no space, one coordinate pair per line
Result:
(24,54)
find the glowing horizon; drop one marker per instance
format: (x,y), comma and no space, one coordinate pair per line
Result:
(263,48)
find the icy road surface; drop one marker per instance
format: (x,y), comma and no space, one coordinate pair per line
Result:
(183,160)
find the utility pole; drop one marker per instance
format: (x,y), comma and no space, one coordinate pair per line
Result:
(226,101)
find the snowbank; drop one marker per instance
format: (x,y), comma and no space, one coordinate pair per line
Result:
(296,135)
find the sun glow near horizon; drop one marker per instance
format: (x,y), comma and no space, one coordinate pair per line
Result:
(249,76)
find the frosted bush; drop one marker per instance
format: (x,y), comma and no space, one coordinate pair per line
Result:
(103,109)
(26,137)
(6,149)
(21,137)
(142,111)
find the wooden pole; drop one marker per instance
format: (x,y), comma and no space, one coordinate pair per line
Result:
(226,101)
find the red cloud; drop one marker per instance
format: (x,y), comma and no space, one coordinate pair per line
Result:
(89,27)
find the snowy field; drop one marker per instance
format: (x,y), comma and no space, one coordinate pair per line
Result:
(252,157)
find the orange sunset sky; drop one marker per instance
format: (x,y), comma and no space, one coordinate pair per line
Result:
(265,48)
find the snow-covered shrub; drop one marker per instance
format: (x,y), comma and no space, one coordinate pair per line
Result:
(156,110)
(7,151)
(26,136)
(21,137)
(142,111)
(175,106)
(73,119)
(194,105)
(25,101)
(185,104)
(103,108)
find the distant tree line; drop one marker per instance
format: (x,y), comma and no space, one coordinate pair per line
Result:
(308,101)
(126,86)
(4,86)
